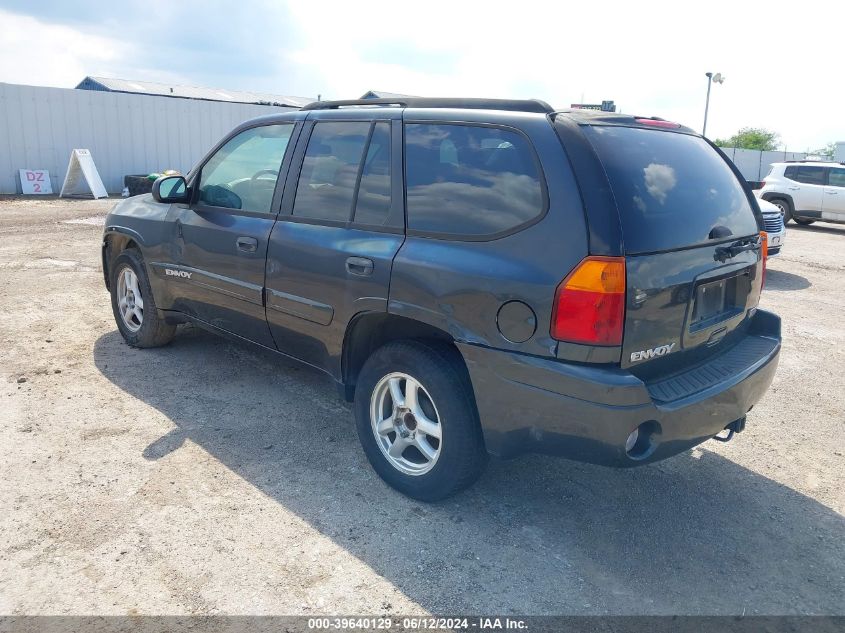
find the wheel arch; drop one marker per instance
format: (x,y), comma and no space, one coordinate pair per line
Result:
(115,241)
(369,331)
(771,195)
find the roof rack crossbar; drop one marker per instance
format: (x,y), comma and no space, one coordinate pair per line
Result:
(516,105)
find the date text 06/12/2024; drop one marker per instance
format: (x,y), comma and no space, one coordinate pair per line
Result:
(416,623)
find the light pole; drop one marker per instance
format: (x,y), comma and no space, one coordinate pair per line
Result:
(718,78)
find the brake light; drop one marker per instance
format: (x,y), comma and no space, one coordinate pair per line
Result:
(764,248)
(590,303)
(658,123)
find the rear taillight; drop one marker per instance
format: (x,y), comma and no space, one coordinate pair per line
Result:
(589,304)
(764,249)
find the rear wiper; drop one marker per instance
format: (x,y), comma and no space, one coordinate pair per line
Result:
(724,253)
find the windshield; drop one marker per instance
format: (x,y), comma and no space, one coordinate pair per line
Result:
(673,190)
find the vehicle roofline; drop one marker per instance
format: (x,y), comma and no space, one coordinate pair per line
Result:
(809,163)
(269,119)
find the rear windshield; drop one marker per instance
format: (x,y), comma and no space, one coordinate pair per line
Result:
(672,190)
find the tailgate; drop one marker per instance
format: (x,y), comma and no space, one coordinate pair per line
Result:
(691,244)
(680,301)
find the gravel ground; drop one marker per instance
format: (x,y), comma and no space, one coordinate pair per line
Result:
(206,477)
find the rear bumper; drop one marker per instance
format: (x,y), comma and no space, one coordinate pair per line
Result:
(530,404)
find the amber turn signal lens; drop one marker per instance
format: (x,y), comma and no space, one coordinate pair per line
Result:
(598,274)
(764,249)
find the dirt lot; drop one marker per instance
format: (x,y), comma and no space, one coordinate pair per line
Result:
(206,477)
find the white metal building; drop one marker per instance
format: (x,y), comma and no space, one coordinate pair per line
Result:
(126,133)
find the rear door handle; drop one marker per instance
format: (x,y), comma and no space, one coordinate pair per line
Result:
(247,244)
(830,193)
(794,188)
(359,266)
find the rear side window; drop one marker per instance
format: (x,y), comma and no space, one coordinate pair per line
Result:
(837,177)
(468,180)
(673,190)
(329,171)
(373,202)
(807,174)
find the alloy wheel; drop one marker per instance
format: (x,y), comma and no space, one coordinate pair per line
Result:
(406,424)
(130,303)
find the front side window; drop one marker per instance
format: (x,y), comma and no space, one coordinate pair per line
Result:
(470,180)
(837,177)
(242,174)
(329,172)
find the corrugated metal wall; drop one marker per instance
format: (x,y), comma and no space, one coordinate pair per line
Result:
(127,134)
(754,164)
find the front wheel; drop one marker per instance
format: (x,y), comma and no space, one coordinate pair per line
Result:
(803,222)
(416,419)
(133,304)
(785,208)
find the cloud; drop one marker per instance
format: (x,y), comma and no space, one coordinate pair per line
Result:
(649,57)
(189,42)
(659,181)
(32,52)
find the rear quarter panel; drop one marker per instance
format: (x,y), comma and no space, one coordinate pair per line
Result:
(459,286)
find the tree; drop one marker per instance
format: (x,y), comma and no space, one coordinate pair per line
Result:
(752,138)
(827,151)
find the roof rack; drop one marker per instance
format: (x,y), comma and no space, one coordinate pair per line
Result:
(516,105)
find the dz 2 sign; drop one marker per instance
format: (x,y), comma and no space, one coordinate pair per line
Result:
(35,181)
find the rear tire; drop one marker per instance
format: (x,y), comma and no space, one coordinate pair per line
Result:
(785,208)
(133,304)
(392,424)
(803,222)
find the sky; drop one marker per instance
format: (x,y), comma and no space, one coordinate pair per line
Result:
(650,56)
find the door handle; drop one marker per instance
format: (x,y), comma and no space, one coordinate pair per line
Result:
(793,188)
(247,244)
(830,193)
(359,266)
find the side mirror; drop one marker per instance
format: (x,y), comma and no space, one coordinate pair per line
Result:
(170,189)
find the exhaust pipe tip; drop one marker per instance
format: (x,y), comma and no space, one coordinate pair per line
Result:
(642,441)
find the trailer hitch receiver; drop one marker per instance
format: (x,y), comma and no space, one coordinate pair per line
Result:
(737,426)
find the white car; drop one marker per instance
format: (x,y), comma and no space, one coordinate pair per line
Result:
(806,191)
(773,225)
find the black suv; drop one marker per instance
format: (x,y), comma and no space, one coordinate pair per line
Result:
(478,276)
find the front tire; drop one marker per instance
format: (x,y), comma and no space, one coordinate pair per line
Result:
(416,419)
(133,303)
(785,209)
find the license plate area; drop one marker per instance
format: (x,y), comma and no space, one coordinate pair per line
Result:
(719,300)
